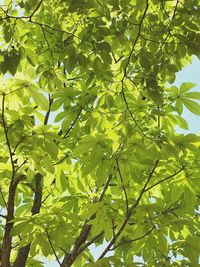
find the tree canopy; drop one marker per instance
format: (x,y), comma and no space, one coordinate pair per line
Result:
(88,146)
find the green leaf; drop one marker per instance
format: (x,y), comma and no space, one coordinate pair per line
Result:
(8,32)
(60,116)
(186,87)
(61,181)
(84,147)
(97,65)
(39,98)
(21,227)
(51,148)
(163,243)
(191,138)
(102,173)
(104,46)
(71,63)
(192,106)
(172,68)
(110,101)
(82,60)
(179,106)
(182,123)
(44,244)
(12,60)
(193,95)
(155,96)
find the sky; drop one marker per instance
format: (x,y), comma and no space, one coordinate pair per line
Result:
(191,73)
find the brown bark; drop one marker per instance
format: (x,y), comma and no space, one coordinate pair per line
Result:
(7,240)
(71,257)
(24,251)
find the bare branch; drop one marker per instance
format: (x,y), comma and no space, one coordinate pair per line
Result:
(128,62)
(24,162)
(114,239)
(7,239)
(145,186)
(6,135)
(71,257)
(73,123)
(19,142)
(3,216)
(23,252)
(3,198)
(165,179)
(105,187)
(94,239)
(49,110)
(137,37)
(61,160)
(52,247)
(36,9)
(133,240)
(124,189)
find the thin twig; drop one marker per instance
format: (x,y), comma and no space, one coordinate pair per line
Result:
(114,239)
(145,185)
(24,162)
(74,252)
(128,62)
(73,123)
(7,138)
(94,239)
(163,180)
(3,198)
(49,110)
(52,247)
(61,160)
(19,142)
(36,9)
(105,187)
(133,240)
(124,189)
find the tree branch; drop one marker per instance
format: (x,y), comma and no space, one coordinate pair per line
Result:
(49,110)
(7,138)
(36,9)
(4,201)
(133,240)
(94,239)
(128,62)
(52,247)
(124,189)
(163,180)
(137,37)
(145,186)
(23,252)
(61,160)
(114,239)
(7,239)
(72,124)
(70,128)
(169,31)
(19,142)
(71,257)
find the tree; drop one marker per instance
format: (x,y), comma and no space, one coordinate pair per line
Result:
(89,150)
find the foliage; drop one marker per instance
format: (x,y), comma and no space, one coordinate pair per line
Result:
(89,151)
